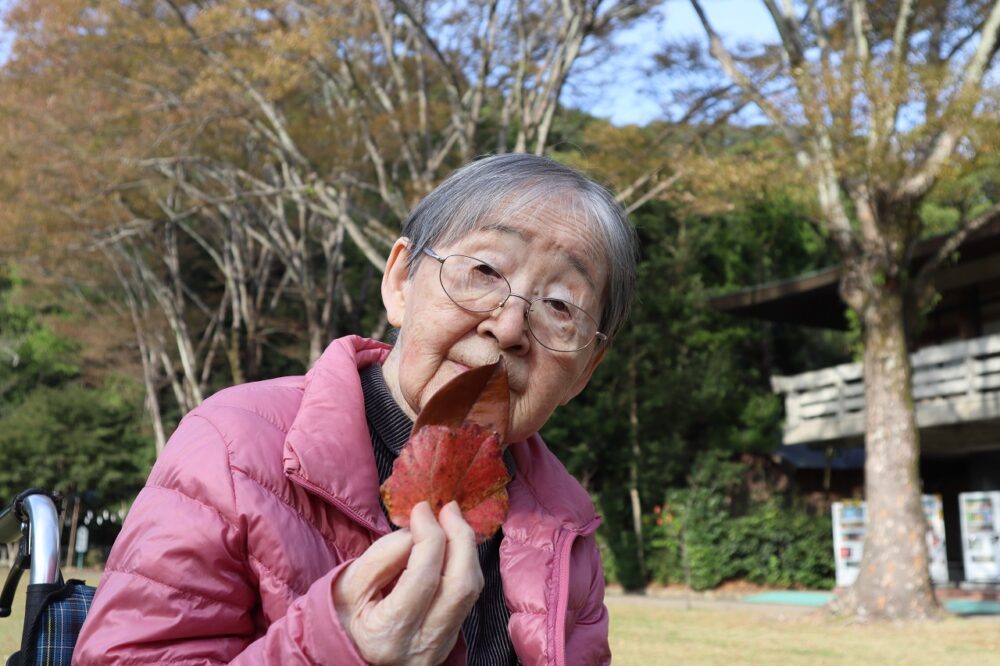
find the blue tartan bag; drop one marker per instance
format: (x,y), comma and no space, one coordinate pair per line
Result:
(53,616)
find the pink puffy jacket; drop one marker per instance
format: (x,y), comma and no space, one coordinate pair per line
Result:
(267,491)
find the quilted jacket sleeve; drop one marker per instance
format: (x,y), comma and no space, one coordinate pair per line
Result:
(177,588)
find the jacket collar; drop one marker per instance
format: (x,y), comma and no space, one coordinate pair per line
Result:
(543,481)
(328,446)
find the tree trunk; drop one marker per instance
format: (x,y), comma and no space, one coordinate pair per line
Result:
(152,402)
(894,582)
(636,460)
(74,521)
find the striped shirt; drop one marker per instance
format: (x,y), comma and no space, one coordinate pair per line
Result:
(485,630)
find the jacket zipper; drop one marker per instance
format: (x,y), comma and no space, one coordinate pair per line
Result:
(562,553)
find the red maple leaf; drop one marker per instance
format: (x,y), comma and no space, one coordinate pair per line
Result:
(456,453)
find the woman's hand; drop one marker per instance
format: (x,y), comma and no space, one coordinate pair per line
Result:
(417,622)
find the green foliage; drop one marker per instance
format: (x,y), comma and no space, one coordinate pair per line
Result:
(618,543)
(855,335)
(701,378)
(702,522)
(939,218)
(75,439)
(56,432)
(761,415)
(697,538)
(30,354)
(783,547)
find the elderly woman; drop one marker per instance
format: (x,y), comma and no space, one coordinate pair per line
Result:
(260,537)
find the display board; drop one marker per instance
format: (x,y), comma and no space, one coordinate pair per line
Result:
(849,522)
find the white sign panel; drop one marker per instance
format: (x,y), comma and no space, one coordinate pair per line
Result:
(849,520)
(980,536)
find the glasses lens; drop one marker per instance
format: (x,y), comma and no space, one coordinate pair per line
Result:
(561,326)
(472,284)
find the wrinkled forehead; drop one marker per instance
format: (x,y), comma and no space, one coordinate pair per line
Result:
(542,210)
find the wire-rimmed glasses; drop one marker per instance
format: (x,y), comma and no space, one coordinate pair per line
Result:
(474,285)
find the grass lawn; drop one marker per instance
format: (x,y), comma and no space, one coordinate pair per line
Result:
(646,632)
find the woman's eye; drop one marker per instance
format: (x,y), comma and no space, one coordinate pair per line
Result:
(486,270)
(558,307)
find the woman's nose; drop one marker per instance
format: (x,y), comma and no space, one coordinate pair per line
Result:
(508,324)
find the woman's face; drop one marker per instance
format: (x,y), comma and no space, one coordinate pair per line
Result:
(542,252)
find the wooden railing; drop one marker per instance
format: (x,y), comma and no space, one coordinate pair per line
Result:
(952,383)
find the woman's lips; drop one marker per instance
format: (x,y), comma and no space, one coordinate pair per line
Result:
(512,382)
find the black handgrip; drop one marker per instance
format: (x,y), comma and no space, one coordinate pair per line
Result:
(21,562)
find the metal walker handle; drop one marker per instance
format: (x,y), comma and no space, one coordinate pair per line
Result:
(33,517)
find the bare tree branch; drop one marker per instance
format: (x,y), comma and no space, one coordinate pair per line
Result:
(925,175)
(729,66)
(924,276)
(815,154)
(654,191)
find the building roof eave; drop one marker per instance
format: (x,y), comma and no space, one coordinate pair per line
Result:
(813,299)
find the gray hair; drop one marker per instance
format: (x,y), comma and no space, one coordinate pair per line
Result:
(498,186)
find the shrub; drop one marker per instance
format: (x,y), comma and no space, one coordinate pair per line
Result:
(695,538)
(783,547)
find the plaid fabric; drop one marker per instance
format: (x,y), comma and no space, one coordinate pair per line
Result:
(59,626)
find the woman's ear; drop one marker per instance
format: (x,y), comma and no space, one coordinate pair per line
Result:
(394,281)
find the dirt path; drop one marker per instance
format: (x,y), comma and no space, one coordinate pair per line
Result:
(702,602)
(678,601)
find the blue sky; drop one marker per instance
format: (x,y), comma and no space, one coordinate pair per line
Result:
(4,36)
(617,89)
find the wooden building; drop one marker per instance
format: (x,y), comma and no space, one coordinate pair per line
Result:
(956,373)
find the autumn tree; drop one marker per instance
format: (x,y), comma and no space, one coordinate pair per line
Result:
(691,169)
(234,162)
(878,103)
